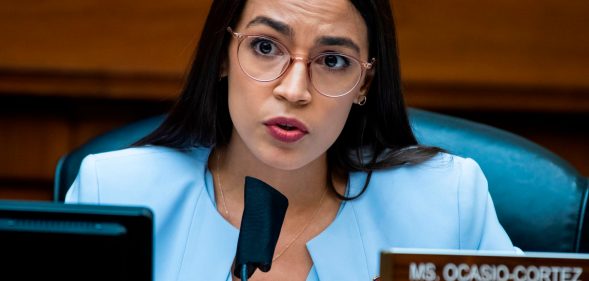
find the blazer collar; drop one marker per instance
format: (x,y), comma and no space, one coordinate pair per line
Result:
(338,252)
(212,241)
(211,247)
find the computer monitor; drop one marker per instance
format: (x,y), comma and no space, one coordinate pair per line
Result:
(52,241)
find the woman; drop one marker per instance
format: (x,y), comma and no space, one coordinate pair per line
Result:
(305,96)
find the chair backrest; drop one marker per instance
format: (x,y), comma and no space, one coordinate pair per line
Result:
(540,199)
(69,164)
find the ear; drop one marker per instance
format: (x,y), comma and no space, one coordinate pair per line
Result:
(367,81)
(223,70)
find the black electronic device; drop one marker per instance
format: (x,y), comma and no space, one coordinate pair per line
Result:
(263,215)
(53,241)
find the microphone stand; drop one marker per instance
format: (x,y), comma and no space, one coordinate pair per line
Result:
(244,272)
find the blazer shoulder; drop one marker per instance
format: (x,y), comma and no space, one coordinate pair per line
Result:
(447,194)
(436,194)
(152,152)
(138,172)
(153,159)
(443,173)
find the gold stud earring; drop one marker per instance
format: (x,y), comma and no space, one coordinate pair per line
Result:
(361,100)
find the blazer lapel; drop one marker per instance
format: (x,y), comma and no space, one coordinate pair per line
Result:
(338,253)
(212,241)
(211,246)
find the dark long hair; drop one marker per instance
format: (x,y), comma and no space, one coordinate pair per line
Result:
(375,136)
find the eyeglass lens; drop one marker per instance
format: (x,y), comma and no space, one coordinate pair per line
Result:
(264,59)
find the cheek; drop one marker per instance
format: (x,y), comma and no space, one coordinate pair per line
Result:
(242,103)
(333,120)
(237,85)
(246,101)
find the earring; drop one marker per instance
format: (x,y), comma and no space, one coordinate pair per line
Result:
(361,100)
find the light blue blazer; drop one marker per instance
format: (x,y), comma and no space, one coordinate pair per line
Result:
(443,203)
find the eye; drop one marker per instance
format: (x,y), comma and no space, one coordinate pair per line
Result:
(334,61)
(265,47)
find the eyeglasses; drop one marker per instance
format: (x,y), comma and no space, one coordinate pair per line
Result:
(264,59)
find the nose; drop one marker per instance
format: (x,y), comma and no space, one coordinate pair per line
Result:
(294,84)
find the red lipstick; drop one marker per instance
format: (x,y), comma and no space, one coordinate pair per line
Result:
(286,129)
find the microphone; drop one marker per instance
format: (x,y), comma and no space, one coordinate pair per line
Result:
(263,215)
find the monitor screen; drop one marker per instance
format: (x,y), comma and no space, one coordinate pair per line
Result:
(55,241)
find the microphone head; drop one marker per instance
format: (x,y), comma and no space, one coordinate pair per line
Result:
(263,215)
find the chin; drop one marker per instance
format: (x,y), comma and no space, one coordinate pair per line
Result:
(283,162)
(275,156)
(286,159)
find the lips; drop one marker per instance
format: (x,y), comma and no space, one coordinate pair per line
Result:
(286,129)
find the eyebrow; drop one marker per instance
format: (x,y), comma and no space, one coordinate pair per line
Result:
(338,41)
(274,24)
(285,29)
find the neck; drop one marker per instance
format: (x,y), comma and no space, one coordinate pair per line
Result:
(301,186)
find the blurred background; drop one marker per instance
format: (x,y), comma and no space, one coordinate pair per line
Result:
(72,69)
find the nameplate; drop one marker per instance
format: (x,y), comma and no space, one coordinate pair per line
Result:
(455,265)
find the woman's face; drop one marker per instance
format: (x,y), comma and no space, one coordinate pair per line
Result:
(286,123)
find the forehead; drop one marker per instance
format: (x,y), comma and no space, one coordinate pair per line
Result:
(309,19)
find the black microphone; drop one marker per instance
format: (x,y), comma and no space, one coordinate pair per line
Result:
(263,215)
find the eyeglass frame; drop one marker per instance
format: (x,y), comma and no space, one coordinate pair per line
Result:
(364,65)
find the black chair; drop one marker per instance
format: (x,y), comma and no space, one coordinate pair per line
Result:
(69,164)
(540,199)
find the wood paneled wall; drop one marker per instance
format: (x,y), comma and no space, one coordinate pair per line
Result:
(70,70)
(495,55)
